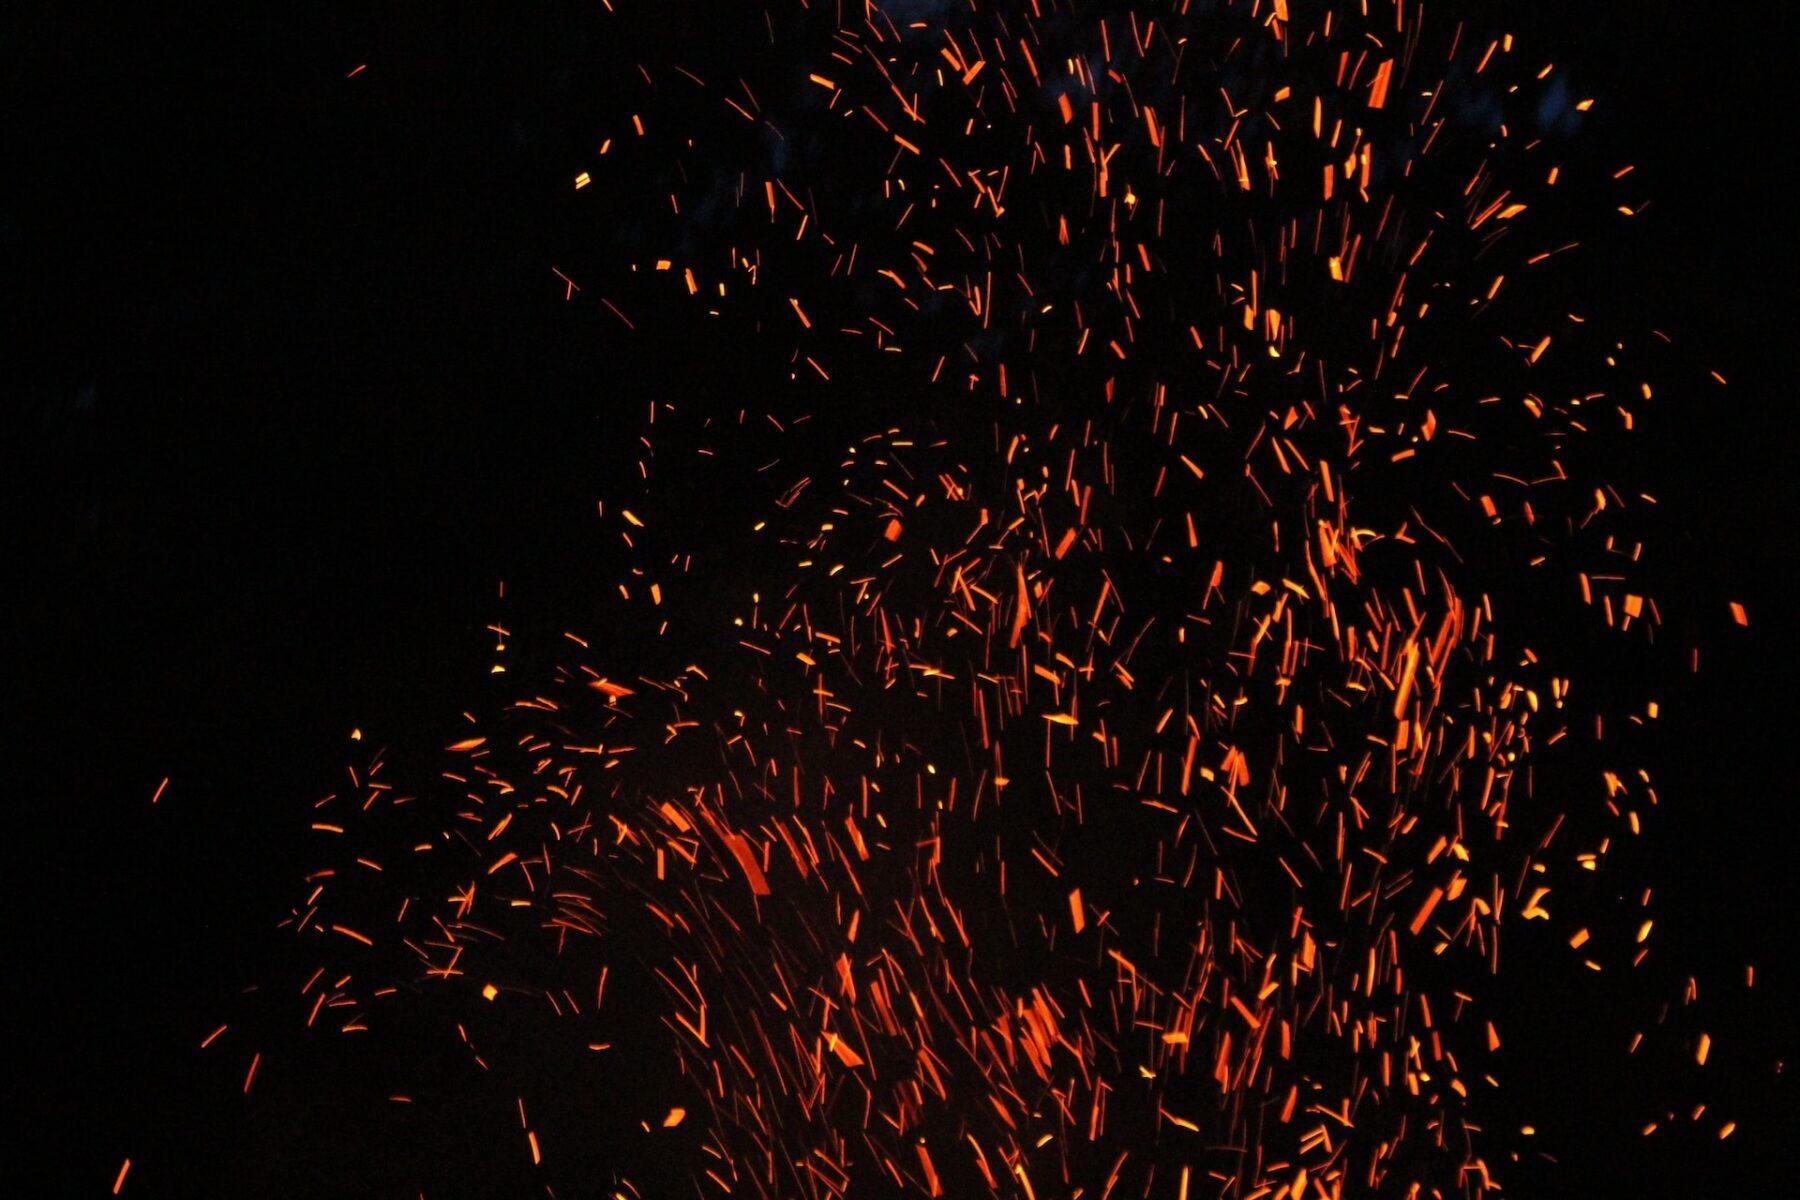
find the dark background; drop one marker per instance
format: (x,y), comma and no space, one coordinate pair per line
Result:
(291,388)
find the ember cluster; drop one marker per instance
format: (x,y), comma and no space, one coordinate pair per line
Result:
(1145,726)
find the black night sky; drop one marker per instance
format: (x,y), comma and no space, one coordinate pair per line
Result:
(292,388)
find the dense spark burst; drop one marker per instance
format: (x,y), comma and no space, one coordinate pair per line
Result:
(1117,770)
